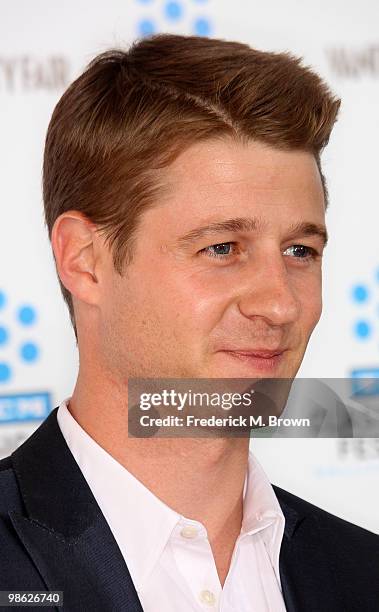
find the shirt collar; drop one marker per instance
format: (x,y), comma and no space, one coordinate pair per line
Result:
(262,512)
(260,502)
(141,523)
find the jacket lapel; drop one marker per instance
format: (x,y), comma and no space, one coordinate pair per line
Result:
(63,528)
(305,570)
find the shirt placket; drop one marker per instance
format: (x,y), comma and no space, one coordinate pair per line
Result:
(194,559)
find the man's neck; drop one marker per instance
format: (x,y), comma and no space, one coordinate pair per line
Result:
(200,478)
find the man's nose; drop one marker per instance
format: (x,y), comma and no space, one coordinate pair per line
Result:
(269,292)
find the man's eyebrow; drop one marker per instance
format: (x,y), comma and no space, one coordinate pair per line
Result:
(239,224)
(250,224)
(309,229)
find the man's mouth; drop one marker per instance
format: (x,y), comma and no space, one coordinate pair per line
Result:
(259,359)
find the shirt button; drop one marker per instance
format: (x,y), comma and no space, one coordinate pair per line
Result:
(208,598)
(189,531)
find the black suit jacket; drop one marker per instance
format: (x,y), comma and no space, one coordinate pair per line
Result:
(53,536)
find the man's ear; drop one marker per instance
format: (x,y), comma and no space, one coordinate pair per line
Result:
(77,256)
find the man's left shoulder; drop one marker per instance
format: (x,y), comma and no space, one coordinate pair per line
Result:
(326,562)
(342,533)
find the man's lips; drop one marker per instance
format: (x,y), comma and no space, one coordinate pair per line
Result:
(259,359)
(258,353)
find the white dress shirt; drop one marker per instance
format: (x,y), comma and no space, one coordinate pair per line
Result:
(168,555)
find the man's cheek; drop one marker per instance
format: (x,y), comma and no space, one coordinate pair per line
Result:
(209,305)
(315,314)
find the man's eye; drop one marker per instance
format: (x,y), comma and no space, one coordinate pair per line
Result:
(221,250)
(300,251)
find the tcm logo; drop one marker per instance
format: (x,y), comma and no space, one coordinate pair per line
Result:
(365,382)
(24,407)
(178,16)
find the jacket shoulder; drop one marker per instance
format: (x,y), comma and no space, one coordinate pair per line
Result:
(5,463)
(9,492)
(344,554)
(348,533)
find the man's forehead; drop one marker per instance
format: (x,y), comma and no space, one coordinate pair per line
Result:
(212,182)
(218,163)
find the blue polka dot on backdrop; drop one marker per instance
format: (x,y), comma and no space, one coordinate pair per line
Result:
(3,335)
(360,293)
(29,352)
(173,10)
(362,329)
(27,315)
(146,27)
(202,27)
(5,372)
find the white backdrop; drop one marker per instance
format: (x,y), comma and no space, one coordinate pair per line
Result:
(43,47)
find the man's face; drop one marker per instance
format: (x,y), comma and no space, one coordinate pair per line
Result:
(187,308)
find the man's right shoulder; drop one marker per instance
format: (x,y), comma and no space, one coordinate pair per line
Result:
(5,463)
(7,475)
(17,570)
(10,498)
